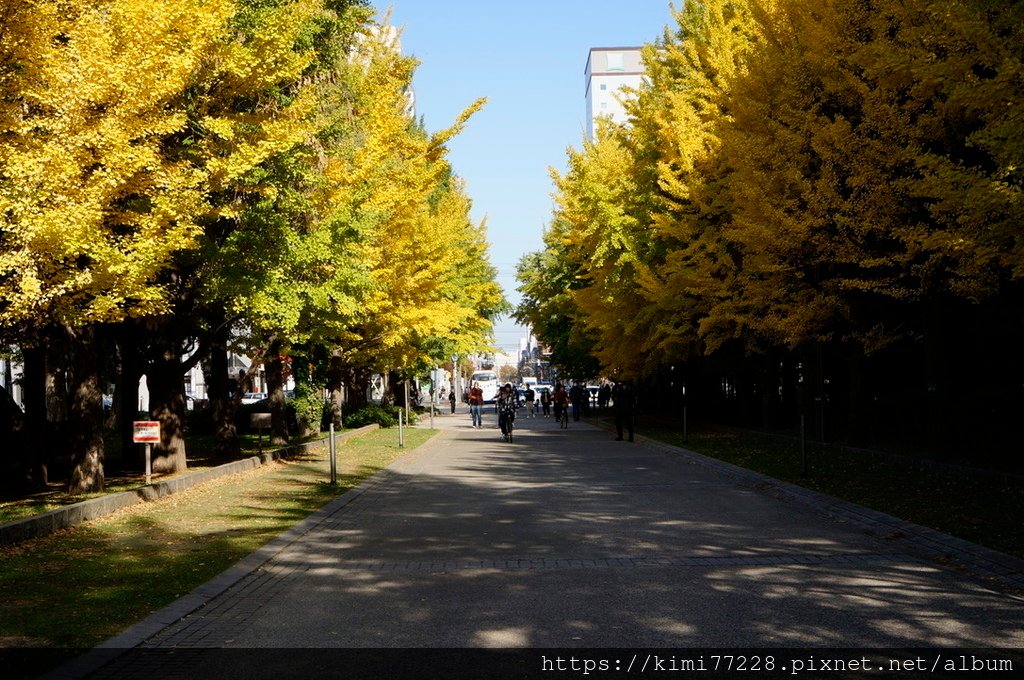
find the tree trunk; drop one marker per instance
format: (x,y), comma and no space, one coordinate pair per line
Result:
(938,379)
(858,428)
(357,380)
(167,404)
(8,374)
(769,377)
(394,392)
(222,406)
(336,387)
(85,416)
(57,394)
(12,432)
(37,434)
(274,367)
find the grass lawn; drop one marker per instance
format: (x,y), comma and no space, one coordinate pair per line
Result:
(200,457)
(78,587)
(975,509)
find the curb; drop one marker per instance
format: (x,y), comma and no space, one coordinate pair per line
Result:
(77,513)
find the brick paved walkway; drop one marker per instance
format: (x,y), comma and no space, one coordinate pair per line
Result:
(569,539)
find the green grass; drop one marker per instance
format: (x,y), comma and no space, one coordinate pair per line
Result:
(200,457)
(973,508)
(78,587)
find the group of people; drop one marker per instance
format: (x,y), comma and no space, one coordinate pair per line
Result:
(577,398)
(507,402)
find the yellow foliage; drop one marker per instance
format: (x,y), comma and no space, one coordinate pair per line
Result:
(794,172)
(427,260)
(133,132)
(92,210)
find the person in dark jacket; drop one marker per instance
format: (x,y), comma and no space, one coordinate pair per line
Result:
(622,400)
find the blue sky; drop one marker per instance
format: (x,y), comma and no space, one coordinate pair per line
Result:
(527,58)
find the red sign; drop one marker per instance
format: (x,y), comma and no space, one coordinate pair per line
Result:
(146,432)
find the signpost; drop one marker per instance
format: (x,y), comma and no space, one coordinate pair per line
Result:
(147,432)
(686,424)
(803,447)
(260,422)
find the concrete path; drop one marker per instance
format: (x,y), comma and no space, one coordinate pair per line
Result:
(566,538)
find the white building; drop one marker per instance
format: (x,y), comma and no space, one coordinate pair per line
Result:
(391,37)
(609,69)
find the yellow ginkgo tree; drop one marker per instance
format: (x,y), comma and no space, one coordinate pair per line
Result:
(810,188)
(91,207)
(135,139)
(433,293)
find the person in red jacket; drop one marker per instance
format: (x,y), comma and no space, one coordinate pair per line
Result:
(476,405)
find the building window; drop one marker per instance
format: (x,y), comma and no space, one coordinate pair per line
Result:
(604,86)
(616,61)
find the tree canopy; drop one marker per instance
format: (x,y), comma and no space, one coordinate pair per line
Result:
(796,175)
(174,169)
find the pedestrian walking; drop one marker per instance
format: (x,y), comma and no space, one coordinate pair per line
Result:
(476,405)
(545,402)
(451,398)
(530,396)
(622,400)
(577,395)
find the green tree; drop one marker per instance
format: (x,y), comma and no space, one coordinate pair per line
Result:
(276,253)
(546,281)
(433,293)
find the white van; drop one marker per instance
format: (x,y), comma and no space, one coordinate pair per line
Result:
(488,382)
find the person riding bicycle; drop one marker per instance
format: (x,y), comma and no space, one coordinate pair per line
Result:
(508,404)
(561,400)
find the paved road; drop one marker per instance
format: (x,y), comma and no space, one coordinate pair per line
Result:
(566,538)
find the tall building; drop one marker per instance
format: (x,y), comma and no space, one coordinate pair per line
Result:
(609,69)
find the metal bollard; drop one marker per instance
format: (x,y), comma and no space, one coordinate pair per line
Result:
(401,431)
(334,461)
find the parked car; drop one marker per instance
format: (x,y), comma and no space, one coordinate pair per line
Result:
(253,397)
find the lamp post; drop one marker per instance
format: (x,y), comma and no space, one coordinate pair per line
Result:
(686,431)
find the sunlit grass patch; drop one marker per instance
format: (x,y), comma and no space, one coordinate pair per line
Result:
(200,457)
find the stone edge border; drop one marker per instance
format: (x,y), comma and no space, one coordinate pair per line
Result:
(72,515)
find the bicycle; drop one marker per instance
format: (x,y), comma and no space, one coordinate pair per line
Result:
(506,421)
(563,419)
